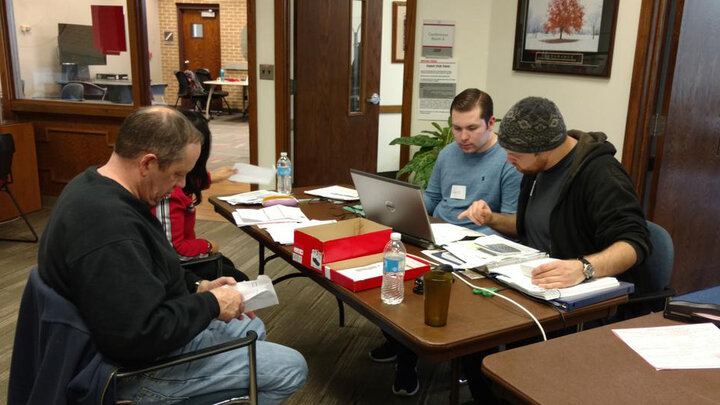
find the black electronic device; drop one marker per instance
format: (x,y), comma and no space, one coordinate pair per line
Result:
(76,51)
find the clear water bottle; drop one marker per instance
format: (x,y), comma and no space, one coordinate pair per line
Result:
(222,75)
(284,174)
(393,290)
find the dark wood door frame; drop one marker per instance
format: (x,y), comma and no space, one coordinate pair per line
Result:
(647,88)
(282,76)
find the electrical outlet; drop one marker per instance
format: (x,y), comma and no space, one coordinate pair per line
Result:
(267,72)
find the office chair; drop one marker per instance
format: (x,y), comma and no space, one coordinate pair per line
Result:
(186,92)
(7,150)
(92,91)
(659,265)
(73,91)
(204,75)
(54,356)
(217,258)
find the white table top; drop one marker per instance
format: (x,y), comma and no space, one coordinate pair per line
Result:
(227,83)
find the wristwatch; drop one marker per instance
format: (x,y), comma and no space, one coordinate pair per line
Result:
(588,269)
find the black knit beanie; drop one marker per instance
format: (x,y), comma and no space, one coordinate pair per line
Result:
(533,124)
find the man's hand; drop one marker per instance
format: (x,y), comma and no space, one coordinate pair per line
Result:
(558,274)
(479,212)
(222,174)
(206,285)
(231,303)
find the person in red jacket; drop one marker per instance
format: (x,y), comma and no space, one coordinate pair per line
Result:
(176,211)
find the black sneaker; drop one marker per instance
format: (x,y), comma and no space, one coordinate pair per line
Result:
(406,382)
(384,353)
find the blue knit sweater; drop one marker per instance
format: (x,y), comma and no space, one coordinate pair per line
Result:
(486,176)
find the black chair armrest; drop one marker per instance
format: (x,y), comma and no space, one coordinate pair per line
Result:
(209,258)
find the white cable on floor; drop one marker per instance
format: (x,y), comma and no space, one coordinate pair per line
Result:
(507,299)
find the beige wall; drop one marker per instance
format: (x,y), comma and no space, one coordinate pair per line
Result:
(265,51)
(484,40)
(233,20)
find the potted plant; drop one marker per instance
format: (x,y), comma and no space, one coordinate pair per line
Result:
(431,143)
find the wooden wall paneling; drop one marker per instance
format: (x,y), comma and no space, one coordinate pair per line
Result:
(25,187)
(66,148)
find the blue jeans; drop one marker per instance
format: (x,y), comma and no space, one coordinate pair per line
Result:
(280,370)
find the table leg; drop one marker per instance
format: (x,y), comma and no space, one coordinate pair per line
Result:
(263,260)
(209,99)
(454,383)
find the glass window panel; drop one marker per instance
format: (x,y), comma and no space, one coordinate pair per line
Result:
(356,54)
(76,51)
(196,30)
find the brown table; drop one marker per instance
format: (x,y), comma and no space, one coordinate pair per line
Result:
(596,367)
(475,322)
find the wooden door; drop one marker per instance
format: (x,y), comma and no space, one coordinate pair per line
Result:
(199,50)
(335,128)
(688,183)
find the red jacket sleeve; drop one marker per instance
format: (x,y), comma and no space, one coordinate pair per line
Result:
(178,219)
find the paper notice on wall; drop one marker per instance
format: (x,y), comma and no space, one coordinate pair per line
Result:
(437,81)
(438,38)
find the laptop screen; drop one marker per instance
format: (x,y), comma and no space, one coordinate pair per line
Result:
(394,203)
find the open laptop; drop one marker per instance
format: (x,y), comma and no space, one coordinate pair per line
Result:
(396,204)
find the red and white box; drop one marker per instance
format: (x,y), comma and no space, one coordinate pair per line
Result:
(318,245)
(362,273)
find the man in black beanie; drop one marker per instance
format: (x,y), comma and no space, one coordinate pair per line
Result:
(576,201)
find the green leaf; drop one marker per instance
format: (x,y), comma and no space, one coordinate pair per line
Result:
(418,140)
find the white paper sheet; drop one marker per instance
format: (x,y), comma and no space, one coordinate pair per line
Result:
(446,233)
(252,174)
(251,197)
(258,293)
(691,346)
(268,215)
(335,193)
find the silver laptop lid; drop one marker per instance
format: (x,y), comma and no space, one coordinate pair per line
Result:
(394,203)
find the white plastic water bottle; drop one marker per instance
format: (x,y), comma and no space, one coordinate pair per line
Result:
(393,290)
(284,174)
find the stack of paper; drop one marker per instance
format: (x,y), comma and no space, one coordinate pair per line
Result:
(258,293)
(514,276)
(445,233)
(252,197)
(335,193)
(268,215)
(471,254)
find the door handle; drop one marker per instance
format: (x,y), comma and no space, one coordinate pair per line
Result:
(187,62)
(374,99)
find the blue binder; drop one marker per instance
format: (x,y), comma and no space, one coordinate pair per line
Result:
(568,304)
(698,306)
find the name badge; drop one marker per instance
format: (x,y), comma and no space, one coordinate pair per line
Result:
(457,192)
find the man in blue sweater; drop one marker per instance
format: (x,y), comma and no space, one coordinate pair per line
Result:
(472,168)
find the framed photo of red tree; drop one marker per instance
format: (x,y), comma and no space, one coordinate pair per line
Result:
(565,36)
